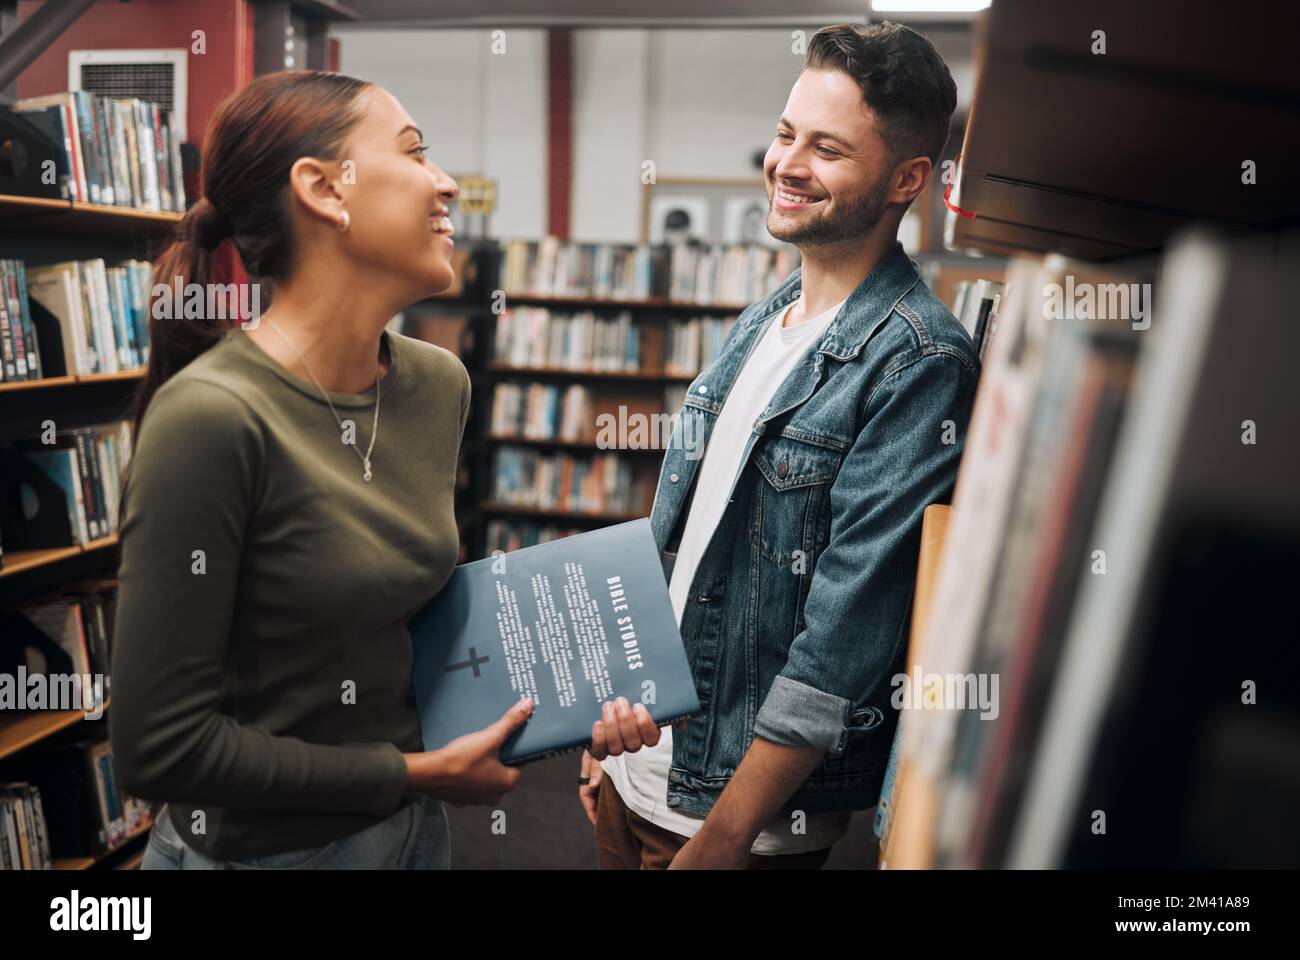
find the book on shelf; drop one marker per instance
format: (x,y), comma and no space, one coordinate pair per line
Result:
(66,638)
(541,411)
(19,347)
(1152,714)
(99,314)
(66,492)
(687,273)
(508,535)
(1050,401)
(976,306)
(695,343)
(110,151)
(85,810)
(572,623)
(598,483)
(538,337)
(24,833)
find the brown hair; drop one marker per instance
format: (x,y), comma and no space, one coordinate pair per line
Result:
(251,143)
(903,79)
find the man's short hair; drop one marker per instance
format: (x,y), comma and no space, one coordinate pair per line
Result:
(903,79)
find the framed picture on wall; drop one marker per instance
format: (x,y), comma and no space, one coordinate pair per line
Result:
(713,211)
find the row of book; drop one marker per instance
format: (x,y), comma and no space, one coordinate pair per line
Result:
(507,535)
(538,337)
(1051,402)
(99,316)
(124,153)
(541,411)
(72,633)
(62,490)
(690,273)
(599,483)
(20,355)
(69,803)
(695,343)
(975,304)
(1114,518)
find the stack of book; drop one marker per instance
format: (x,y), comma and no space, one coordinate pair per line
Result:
(63,489)
(689,273)
(80,623)
(601,483)
(695,343)
(537,337)
(24,834)
(537,411)
(70,803)
(20,352)
(121,153)
(100,314)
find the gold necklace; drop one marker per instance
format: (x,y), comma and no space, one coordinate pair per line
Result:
(367,474)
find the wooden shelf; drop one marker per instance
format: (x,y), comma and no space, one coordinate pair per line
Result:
(588,446)
(654,303)
(130,862)
(50,383)
(568,516)
(19,561)
(95,217)
(23,730)
(631,375)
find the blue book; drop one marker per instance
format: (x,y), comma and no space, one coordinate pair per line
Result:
(572,623)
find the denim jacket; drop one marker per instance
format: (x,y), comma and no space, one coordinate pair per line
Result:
(799,609)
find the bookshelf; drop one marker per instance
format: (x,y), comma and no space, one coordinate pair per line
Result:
(635,381)
(1095,439)
(40,231)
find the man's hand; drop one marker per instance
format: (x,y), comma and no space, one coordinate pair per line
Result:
(622,728)
(703,852)
(587,792)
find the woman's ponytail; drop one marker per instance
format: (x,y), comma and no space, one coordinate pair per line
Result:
(174,338)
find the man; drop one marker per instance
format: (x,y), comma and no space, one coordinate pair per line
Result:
(832,418)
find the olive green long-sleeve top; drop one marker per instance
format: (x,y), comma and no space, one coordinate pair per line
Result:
(261,666)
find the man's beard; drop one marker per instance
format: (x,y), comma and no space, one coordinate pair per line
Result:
(853,219)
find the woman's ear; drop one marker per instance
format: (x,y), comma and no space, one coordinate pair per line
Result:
(315,184)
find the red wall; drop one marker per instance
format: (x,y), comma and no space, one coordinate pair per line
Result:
(226,65)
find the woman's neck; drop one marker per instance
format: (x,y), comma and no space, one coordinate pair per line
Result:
(338,335)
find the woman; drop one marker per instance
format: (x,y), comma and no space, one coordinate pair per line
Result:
(289,506)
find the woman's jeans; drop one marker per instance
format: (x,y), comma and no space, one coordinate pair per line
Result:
(413,838)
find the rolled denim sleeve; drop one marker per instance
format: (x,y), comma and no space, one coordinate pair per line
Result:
(859,598)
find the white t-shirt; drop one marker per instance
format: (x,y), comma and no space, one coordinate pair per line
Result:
(641,778)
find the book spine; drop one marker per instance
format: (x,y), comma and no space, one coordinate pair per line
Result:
(86,138)
(87,495)
(161,153)
(24,304)
(17,331)
(178,171)
(102,159)
(78,176)
(7,342)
